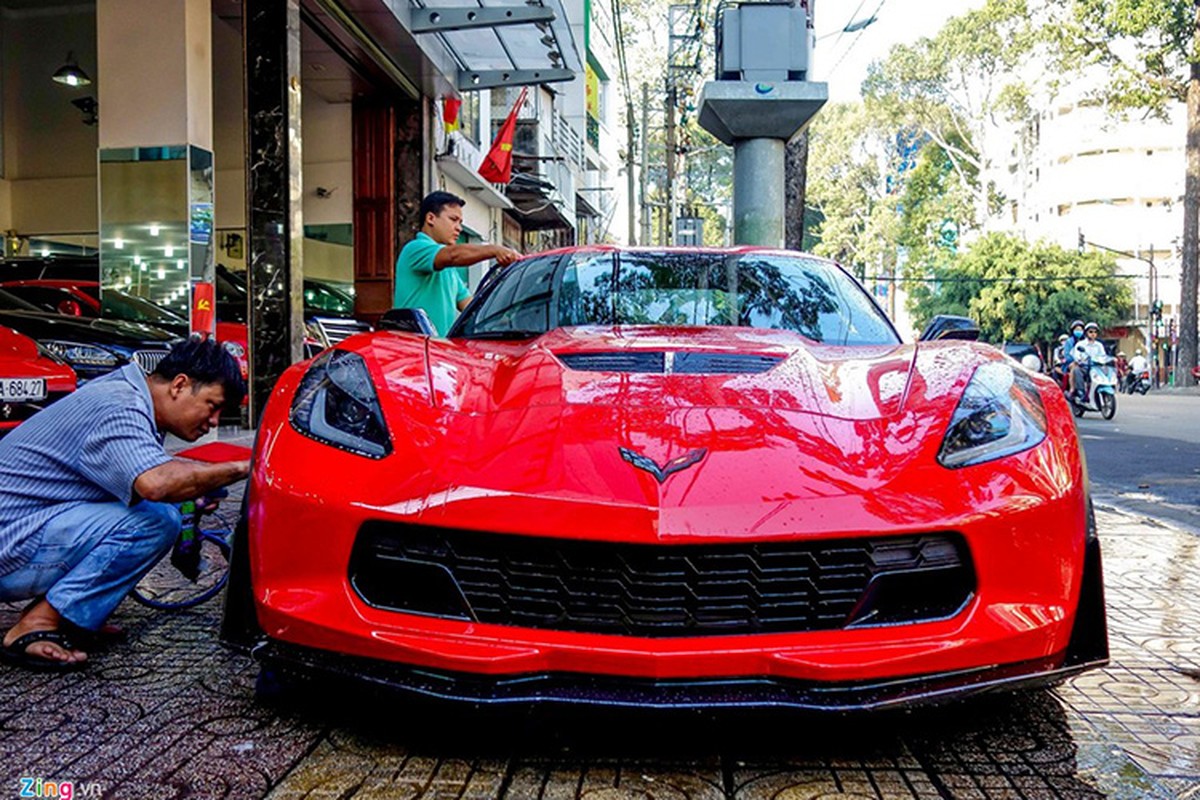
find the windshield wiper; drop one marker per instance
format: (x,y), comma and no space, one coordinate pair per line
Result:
(502,335)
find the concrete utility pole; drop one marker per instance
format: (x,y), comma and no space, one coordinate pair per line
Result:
(669,110)
(630,161)
(760,100)
(645,164)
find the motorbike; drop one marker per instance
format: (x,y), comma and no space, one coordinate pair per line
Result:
(1138,382)
(1100,390)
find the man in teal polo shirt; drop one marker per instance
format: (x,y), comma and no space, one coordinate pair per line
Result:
(422,280)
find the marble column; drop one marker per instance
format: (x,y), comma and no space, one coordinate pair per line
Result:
(274,222)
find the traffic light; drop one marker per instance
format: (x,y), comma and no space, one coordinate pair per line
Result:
(1156,309)
(1082,241)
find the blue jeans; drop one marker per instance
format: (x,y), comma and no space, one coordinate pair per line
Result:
(90,556)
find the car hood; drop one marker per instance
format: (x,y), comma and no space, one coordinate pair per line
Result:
(665,369)
(16,347)
(485,423)
(43,326)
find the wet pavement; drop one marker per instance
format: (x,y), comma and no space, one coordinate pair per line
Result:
(170,713)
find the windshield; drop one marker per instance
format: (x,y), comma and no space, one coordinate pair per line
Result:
(320,297)
(10,302)
(118,305)
(682,289)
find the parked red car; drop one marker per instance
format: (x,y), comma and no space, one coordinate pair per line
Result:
(683,478)
(30,378)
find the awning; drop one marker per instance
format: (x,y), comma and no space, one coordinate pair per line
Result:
(533,207)
(471,181)
(584,206)
(435,47)
(501,42)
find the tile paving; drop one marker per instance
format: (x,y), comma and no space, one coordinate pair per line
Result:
(170,713)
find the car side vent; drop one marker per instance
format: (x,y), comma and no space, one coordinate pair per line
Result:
(616,362)
(722,363)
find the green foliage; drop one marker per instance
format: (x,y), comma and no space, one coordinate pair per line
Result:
(945,92)
(847,150)
(1145,46)
(1022,292)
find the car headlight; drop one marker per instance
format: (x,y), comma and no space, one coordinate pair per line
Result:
(234,349)
(1000,414)
(47,353)
(336,404)
(87,355)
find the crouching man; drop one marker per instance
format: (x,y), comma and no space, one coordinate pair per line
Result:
(88,494)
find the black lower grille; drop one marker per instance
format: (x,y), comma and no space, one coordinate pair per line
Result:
(661,590)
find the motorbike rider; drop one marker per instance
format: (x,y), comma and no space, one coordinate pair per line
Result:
(1137,365)
(1082,354)
(1074,337)
(1059,363)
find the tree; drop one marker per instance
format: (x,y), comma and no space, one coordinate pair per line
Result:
(1022,292)
(953,89)
(847,164)
(1150,50)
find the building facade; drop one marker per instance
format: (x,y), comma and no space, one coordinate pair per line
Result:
(291,138)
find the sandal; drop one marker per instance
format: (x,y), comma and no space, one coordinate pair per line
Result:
(16,655)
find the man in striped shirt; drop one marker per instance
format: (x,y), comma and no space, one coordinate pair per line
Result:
(88,494)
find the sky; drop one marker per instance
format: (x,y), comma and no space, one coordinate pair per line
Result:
(842,60)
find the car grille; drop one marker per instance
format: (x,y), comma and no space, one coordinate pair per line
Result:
(661,590)
(336,329)
(685,363)
(148,359)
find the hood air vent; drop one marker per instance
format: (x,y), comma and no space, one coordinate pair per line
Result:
(722,363)
(616,362)
(684,363)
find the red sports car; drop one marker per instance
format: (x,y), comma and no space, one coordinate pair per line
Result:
(31,377)
(685,478)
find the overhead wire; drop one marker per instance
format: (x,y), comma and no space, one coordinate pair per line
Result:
(842,31)
(857,36)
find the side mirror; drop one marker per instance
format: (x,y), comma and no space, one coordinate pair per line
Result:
(948,326)
(409,320)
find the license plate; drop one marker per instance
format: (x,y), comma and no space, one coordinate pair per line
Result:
(19,390)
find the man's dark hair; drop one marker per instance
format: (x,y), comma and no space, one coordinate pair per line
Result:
(434,202)
(204,361)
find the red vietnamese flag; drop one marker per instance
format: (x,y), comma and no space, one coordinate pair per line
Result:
(497,164)
(450,108)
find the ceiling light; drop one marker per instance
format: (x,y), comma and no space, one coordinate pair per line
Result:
(154,229)
(169,250)
(69,74)
(179,263)
(137,260)
(119,243)
(547,40)
(162,273)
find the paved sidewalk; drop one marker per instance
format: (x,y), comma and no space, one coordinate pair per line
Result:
(171,714)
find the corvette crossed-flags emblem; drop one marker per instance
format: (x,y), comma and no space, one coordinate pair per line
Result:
(661,473)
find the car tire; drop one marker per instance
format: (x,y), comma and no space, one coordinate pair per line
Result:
(1108,405)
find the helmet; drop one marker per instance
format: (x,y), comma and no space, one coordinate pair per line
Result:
(1076,324)
(1120,355)
(1091,326)
(1063,338)
(1140,351)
